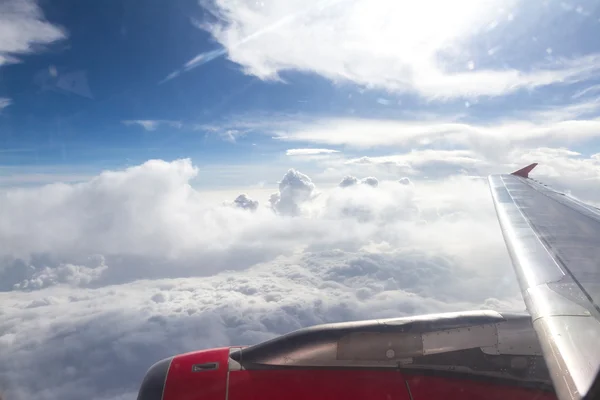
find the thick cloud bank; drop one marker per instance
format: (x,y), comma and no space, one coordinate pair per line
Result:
(101,279)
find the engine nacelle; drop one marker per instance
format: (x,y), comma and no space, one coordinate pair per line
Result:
(200,375)
(467,355)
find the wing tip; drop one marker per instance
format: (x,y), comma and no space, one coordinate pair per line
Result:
(524,172)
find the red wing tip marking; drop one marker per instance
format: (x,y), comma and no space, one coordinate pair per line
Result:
(524,172)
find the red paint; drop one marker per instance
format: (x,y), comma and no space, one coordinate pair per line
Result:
(524,172)
(367,385)
(317,384)
(325,384)
(435,387)
(183,384)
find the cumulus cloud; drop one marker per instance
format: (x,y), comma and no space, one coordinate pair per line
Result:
(294,189)
(104,277)
(24,29)
(245,203)
(404,181)
(371,181)
(348,181)
(70,274)
(398,46)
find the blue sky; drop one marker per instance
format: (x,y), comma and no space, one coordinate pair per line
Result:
(280,68)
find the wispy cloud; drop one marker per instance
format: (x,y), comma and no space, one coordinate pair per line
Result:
(229,131)
(391,45)
(416,158)
(23,29)
(580,110)
(568,125)
(195,62)
(152,124)
(309,152)
(226,132)
(4,102)
(587,91)
(208,56)
(230,135)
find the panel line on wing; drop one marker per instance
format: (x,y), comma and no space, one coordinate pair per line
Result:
(534,230)
(555,255)
(528,252)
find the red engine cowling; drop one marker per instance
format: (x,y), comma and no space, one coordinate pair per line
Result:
(470,355)
(200,375)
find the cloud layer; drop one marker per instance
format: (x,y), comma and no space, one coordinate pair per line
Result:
(424,47)
(107,276)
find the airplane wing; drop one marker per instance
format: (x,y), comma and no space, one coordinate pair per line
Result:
(554,244)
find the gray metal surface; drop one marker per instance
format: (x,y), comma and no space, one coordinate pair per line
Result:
(459,339)
(515,336)
(479,343)
(554,244)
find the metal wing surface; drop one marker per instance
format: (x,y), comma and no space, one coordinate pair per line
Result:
(554,244)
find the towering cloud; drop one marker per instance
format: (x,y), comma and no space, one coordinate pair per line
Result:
(294,189)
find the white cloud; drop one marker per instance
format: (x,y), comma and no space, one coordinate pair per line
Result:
(581,110)
(231,130)
(416,160)
(587,91)
(348,180)
(131,266)
(294,189)
(195,62)
(230,135)
(309,152)
(245,203)
(4,102)
(398,46)
(22,28)
(74,275)
(370,181)
(152,124)
(495,138)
